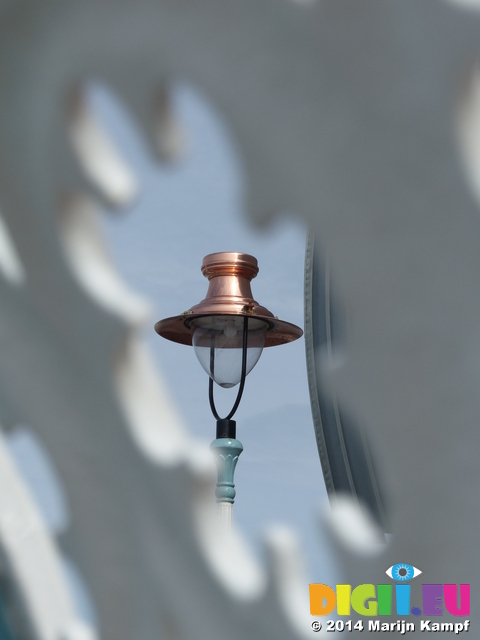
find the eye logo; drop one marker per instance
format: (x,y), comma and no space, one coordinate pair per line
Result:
(403,572)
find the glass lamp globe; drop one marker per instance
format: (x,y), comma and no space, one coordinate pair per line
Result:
(218,345)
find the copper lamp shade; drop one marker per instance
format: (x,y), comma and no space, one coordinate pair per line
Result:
(229,294)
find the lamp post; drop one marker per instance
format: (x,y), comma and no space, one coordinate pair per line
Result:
(228,331)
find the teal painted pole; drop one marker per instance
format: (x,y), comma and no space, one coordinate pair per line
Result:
(226,452)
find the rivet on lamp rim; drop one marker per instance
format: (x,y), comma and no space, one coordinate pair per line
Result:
(229,294)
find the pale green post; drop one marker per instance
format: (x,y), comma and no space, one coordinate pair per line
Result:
(226,452)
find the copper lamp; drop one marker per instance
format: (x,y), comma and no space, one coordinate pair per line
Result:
(228,331)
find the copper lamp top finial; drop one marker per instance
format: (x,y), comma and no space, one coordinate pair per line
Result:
(230,263)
